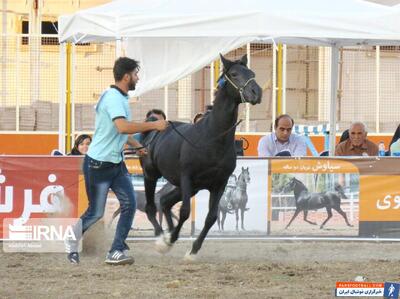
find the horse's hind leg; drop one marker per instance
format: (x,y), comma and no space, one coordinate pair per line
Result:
(219,219)
(210,219)
(223,220)
(151,209)
(341,212)
(305,218)
(329,211)
(294,216)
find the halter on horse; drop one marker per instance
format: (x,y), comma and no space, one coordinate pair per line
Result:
(204,159)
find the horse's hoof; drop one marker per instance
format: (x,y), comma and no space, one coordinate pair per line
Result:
(163,243)
(189,257)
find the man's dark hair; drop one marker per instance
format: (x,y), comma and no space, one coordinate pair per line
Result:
(280,117)
(156,111)
(124,65)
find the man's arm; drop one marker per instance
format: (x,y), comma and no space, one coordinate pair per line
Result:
(129,127)
(136,144)
(263,147)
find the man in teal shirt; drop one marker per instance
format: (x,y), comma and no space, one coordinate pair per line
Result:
(104,165)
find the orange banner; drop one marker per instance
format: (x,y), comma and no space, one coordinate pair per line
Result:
(380,198)
(312,166)
(33,187)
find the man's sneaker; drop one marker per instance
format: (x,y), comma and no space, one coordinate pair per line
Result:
(71,247)
(73,257)
(117,257)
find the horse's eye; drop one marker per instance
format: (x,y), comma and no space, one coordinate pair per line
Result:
(234,74)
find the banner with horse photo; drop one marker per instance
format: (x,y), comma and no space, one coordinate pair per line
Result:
(356,197)
(242,209)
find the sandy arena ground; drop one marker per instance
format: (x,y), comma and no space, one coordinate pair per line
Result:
(224,269)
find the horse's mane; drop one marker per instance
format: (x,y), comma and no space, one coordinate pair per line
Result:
(300,182)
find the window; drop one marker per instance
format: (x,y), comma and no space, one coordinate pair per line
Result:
(47,28)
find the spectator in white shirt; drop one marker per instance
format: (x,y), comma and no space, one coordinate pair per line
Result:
(282,142)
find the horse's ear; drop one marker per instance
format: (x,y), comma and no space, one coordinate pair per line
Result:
(225,62)
(243,60)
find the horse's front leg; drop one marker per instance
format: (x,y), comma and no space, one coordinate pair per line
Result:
(186,190)
(294,216)
(167,202)
(215,196)
(242,216)
(305,212)
(151,209)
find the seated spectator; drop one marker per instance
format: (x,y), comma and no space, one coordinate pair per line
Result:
(157,113)
(282,140)
(357,144)
(81,145)
(136,139)
(395,139)
(56,152)
(344,136)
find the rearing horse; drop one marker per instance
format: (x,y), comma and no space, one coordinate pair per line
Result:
(198,156)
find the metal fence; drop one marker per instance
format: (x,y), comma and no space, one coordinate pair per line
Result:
(32,76)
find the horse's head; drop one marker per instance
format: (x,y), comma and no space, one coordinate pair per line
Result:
(289,185)
(240,81)
(246,174)
(293,185)
(339,189)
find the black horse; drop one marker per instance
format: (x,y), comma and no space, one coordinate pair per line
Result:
(198,156)
(306,201)
(225,203)
(140,197)
(239,197)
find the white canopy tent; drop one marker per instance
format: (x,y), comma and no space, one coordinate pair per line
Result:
(174,38)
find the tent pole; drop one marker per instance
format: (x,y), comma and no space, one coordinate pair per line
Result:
(378,87)
(332,108)
(248,51)
(279,69)
(166,100)
(211,83)
(62,96)
(68,142)
(273,84)
(284,52)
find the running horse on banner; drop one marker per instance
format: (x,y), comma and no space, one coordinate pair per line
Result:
(306,201)
(198,156)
